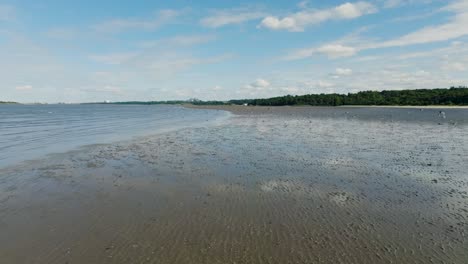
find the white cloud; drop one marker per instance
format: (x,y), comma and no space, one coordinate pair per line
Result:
(260,83)
(110,89)
(398,3)
(173,68)
(159,73)
(343,71)
(24,87)
(324,84)
(118,25)
(393,3)
(164,65)
(331,50)
(107,89)
(349,10)
(454,66)
(409,18)
(287,23)
(290,90)
(422,73)
(455,28)
(300,20)
(191,40)
(188,40)
(455,51)
(161,65)
(337,50)
(300,54)
(303,4)
(221,18)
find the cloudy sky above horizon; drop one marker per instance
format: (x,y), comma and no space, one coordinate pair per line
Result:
(82,51)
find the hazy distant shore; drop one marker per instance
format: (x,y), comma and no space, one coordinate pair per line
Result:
(413,97)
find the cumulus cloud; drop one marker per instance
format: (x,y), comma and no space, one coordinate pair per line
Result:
(222,18)
(123,24)
(343,71)
(300,20)
(23,87)
(260,83)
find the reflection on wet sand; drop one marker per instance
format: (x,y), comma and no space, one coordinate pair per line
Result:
(261,188)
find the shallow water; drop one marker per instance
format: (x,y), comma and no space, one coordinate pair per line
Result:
(32,131)
(261,188)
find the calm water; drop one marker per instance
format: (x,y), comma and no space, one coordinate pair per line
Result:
(32,131)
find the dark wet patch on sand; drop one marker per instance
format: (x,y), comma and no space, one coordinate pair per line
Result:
(270,188)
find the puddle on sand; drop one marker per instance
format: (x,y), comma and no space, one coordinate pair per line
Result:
(259,189)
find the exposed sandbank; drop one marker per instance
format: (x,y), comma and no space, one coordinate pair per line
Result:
(449,115)
(269,186)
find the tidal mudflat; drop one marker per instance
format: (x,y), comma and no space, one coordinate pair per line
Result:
(268,185)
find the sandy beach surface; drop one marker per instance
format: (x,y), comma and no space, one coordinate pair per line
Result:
(268,185)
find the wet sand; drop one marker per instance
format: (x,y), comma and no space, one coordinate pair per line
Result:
(270,185)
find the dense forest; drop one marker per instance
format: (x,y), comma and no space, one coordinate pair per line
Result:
(451,96)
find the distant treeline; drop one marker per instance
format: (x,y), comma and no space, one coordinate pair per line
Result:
(451,96)
(3,102)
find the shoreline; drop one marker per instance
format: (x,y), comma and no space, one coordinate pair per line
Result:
(235,107)
(456,115)
(411,106)
(105,131)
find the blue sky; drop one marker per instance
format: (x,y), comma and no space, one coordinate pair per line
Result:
(81,51)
